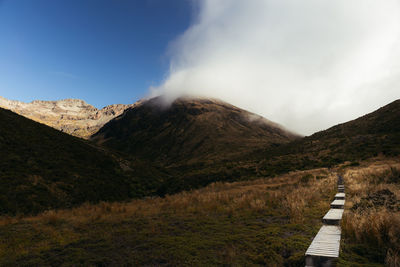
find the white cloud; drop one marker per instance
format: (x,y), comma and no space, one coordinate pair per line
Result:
(305,64)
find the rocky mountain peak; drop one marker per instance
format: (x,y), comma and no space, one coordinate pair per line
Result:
(73,116)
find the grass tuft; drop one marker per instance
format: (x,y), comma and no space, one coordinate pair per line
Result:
(371,224)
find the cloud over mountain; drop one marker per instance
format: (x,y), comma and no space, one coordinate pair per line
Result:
(305,64)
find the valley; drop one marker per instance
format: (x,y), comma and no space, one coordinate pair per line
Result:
(198,182)
(199,133)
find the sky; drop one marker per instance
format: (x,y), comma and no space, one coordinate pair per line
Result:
(307,65)
(103,52)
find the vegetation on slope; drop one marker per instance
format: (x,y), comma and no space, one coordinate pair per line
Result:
(189,131)
(42,168)
(366,137)
(254,223)
(374,134)
(203,142)
(193,147)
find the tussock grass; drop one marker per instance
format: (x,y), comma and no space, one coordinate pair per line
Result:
(371,224)
(262,222)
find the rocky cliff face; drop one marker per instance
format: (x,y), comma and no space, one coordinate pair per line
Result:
(72,116)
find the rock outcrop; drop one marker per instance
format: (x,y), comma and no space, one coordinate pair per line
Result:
(72,116)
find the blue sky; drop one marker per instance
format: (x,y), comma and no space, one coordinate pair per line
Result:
(103,52)
(307,65)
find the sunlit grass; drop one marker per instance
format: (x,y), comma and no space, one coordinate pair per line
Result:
(371,225)
(261,222)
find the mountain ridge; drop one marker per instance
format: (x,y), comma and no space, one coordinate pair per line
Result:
(152,151)
(373,134)
(72,116)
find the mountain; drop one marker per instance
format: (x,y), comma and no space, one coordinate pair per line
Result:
(72,116)
(377,133)
(158,149)
(384,121)
(189,130)
(372,134)
(262,222)
(42,168)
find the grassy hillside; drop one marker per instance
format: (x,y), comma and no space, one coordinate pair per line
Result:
(202,142)
(42,168)
(269,221)
(368,136)
(189,131)
(255,223)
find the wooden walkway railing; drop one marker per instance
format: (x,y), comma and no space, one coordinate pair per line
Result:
(324,249)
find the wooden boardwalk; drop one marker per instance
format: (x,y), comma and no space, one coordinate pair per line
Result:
(333,217)
(324,249)
(340,196)
(337,204)
(326,243)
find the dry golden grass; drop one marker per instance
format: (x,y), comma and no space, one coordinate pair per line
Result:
(375,226)
(258,195)
(285,200)
(297,198)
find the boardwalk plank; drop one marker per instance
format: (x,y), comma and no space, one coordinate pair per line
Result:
(337,204)
(333,216)
(326,243)
(340,196)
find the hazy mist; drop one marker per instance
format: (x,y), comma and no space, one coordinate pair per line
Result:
(304,64)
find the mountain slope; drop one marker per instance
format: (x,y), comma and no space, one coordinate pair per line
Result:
(72,116)
(42,168)
(189,130)
(385,120)
(368,136)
